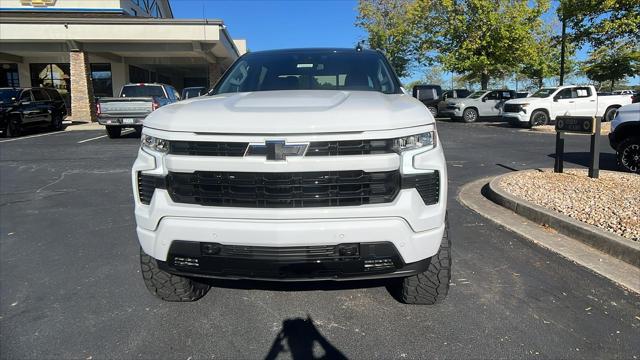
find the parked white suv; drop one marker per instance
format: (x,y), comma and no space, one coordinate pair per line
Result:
(480,104)
(299,165)
(547,103)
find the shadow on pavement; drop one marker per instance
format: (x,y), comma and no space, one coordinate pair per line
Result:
(607,160)
(301,340)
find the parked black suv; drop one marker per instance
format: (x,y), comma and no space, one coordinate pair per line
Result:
(429,95)
(30,107)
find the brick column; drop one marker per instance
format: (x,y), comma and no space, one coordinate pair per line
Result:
(83,106)
(215,73)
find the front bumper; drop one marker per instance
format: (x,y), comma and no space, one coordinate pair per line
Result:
(452,113)
(341,262)
(121,121)
(516,118)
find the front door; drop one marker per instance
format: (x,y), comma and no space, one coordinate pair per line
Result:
(28,108)
(563,103)
(490,105)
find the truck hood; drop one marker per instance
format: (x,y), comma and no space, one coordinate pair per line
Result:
(528,100)
(291,112)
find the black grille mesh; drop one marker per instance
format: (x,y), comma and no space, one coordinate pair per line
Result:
(207,148)
(283,190)
(147,184)
(428,186)
(512,108)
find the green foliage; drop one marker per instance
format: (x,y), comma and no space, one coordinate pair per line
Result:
(488,38)
(388,28)
(612,64)
(602,22)
(544,63)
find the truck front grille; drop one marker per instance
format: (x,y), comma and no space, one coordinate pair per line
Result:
(283,190)
(316,148)
(512,108)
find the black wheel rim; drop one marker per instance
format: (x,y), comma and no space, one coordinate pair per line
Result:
(631,157)
(539,119)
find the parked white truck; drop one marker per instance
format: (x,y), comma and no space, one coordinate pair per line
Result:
(542,107)
(308,164)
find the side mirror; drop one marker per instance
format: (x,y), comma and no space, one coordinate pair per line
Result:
(484,99)
(555,99)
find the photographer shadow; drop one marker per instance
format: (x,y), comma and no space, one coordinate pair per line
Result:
(302,340)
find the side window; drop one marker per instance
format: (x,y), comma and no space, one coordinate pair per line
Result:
(506,95)
(582,92)
(494,95)
(564,94)
(40,95)
(26,96)
(447,95)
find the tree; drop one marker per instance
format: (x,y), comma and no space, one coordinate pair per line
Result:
(612,63)
(488,38)
(602,22)
(545,61)
(394,27)
(388,30)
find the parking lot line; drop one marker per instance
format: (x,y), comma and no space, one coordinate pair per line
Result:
(103,136)
(32,136)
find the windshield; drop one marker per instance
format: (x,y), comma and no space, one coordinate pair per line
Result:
(142,91)
(8,95)
(476,94)
(543,93)
(310,70)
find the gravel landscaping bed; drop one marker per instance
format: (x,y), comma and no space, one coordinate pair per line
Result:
(605,128)
(610,202)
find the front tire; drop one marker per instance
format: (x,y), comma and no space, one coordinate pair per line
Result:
(12,129)
(432,286)
(169,287)
(470,115)
(629,154)
(114,132)
(433,110)
(538,118)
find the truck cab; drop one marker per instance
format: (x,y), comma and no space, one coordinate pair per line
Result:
(480,104)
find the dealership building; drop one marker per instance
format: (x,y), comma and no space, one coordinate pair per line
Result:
(90,48)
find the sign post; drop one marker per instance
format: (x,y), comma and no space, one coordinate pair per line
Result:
(580,125)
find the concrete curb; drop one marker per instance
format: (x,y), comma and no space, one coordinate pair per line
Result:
(604,241)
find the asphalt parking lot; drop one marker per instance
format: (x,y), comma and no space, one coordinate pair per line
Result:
(70,285)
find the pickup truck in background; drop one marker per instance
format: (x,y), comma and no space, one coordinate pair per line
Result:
(451,94)
(135,102)
(480,104)
(547,103)
(624,137)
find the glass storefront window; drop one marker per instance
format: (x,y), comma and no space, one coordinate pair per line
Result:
(53,75)
(102,80)
(9,75)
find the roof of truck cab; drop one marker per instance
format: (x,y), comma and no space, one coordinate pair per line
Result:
(314,50)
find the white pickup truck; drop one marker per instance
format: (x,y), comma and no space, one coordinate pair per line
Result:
(542,107)
(306,164)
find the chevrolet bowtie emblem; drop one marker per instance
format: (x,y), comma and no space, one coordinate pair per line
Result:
(38,3)
(276,150)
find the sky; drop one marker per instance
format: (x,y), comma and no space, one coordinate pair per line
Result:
(274,24)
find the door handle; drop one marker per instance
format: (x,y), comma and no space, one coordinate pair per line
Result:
(592,101)
(571,102)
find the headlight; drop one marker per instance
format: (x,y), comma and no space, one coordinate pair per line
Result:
(425,141)
(154,144)
(524,105)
